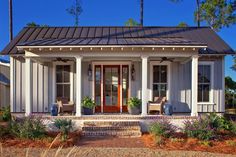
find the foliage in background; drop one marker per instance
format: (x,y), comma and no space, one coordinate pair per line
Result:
(217,13)
(5,114)
(200,129)
(75,10)
(87,102)
(29,128)
(230,92)
(131,22)
(234,60)
(134,102)
(33,24)
(65,126)
(183,24)
(162,128)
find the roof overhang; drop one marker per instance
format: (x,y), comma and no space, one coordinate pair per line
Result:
(111,48)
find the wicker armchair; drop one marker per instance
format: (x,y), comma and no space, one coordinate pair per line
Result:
(64,105)
(157,104)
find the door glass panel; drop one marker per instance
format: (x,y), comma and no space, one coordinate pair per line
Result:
(98,85)
(111,85)
(125,85)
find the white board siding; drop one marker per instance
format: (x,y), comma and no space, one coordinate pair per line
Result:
(42,86)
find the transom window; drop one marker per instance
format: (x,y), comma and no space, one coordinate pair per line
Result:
(204,83)
(63,81)
(159,81)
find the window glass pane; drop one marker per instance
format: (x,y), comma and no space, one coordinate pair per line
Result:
(207,74)
(66,91)
(156,74)
(163,90)
(163,74)
(59,73)
(59,91)
(200,73)
(66,73)
(155,91)
(200,93)
(206,91)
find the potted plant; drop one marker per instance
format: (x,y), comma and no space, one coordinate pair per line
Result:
(88,105)
(134,105)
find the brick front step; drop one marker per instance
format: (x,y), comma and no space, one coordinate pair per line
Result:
(112,133)
(105,128)
(111,128)
(111,123)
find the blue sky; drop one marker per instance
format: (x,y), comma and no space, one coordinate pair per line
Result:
(105,13)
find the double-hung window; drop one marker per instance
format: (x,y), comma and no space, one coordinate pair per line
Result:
(159,81)
(63,81)
(204,82)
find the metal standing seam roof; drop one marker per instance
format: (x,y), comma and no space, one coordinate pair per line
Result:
(61,36)
(111,41)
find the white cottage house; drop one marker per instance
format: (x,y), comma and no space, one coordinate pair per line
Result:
(112,64)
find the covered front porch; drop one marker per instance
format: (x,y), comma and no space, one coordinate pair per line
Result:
(110,76)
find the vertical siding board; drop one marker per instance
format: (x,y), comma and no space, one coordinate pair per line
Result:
(23,87)
(40,88)
(35,87)
(45,91)
(18,86)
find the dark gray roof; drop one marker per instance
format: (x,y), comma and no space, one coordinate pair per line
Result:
(50,36)
(111,41)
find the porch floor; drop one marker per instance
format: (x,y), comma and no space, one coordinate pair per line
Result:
(112,116)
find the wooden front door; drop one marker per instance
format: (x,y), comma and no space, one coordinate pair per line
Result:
(111,88)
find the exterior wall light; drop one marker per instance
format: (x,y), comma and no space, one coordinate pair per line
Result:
(90,72)
(132,72)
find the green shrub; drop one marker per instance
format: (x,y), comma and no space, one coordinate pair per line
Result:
(199,128)
(219,122)
(134,102)
(4,131)
(65,126)
(163,128)
(6,113)
(233,127)
(29,128)
(87,102)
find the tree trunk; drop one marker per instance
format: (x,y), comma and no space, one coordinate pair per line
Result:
(141,13)
(10,21)
(198,13)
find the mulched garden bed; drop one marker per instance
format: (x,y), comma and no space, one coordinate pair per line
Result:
(224,144)
(52,140)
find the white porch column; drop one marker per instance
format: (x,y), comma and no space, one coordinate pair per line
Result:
(222,109)
(78,85)
(144,84)
(12,83)
(28,87)
(194,85)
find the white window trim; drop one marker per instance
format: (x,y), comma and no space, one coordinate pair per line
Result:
(211,95)
(71,79)
(168,91)
(102,63)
